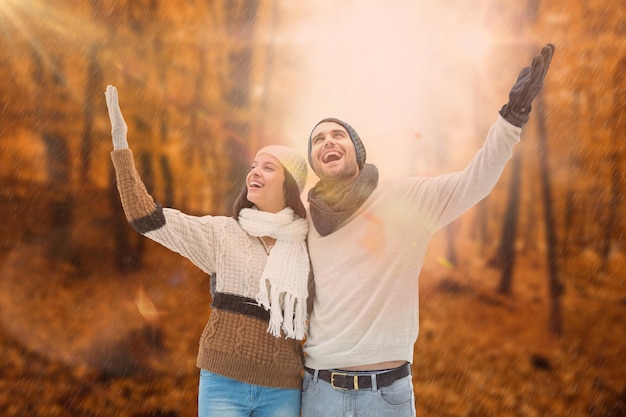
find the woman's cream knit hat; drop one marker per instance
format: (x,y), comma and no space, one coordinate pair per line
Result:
(293,162)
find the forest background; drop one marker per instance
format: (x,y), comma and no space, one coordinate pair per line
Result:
(523,299)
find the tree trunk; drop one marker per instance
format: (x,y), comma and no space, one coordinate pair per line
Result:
(556,288)
(60,246)
(94,85)
(505,254)
(480,229)
(168,178)
(451,232)
(128,245)
(612,227)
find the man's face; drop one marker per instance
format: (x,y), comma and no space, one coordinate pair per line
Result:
(332,153)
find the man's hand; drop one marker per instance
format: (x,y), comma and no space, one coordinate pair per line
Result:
(529,83)
(118,125)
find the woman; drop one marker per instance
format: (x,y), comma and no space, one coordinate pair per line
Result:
(250,355)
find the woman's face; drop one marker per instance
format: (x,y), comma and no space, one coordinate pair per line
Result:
(265,184)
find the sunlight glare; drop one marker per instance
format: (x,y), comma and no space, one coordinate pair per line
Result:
(392,69)
(475,43)
(48,31)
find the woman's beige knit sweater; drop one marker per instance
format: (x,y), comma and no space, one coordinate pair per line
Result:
(235,342)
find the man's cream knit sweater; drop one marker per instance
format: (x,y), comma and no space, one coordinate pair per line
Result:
(366,272)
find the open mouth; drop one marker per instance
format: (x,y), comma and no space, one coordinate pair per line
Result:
(254,184)
(331,156)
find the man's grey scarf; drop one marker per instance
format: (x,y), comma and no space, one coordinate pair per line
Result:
(331,205)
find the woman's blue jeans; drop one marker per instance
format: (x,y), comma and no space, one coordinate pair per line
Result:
(219,396)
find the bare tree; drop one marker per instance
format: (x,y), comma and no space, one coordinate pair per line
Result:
(94,83)
(556,288)
(612,227)
(48,122)
(505,254)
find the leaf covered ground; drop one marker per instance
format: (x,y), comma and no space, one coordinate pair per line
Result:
(76,344)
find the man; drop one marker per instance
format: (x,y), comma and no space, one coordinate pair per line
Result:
(367,247)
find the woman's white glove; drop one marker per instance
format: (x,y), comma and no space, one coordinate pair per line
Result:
(118,125)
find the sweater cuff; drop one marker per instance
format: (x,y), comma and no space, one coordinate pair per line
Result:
(139,206)
(508,125)
(123,161)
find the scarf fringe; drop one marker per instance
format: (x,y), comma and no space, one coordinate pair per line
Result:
(300,319)
(261,297)
(276,316)
(289,304)
(294,328)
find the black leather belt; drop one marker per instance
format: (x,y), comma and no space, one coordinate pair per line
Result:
(354,381)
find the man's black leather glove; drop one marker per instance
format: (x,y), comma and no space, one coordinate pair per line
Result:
(526,88)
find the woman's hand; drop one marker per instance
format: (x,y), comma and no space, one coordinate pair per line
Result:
(118,125)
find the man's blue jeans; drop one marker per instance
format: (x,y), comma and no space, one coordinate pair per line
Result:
(320,399)
(219,396)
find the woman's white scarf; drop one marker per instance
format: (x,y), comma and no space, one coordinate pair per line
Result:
(283,286)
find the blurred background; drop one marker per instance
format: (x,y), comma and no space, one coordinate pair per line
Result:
(523,299)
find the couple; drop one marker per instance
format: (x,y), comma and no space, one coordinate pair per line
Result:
(366,241)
